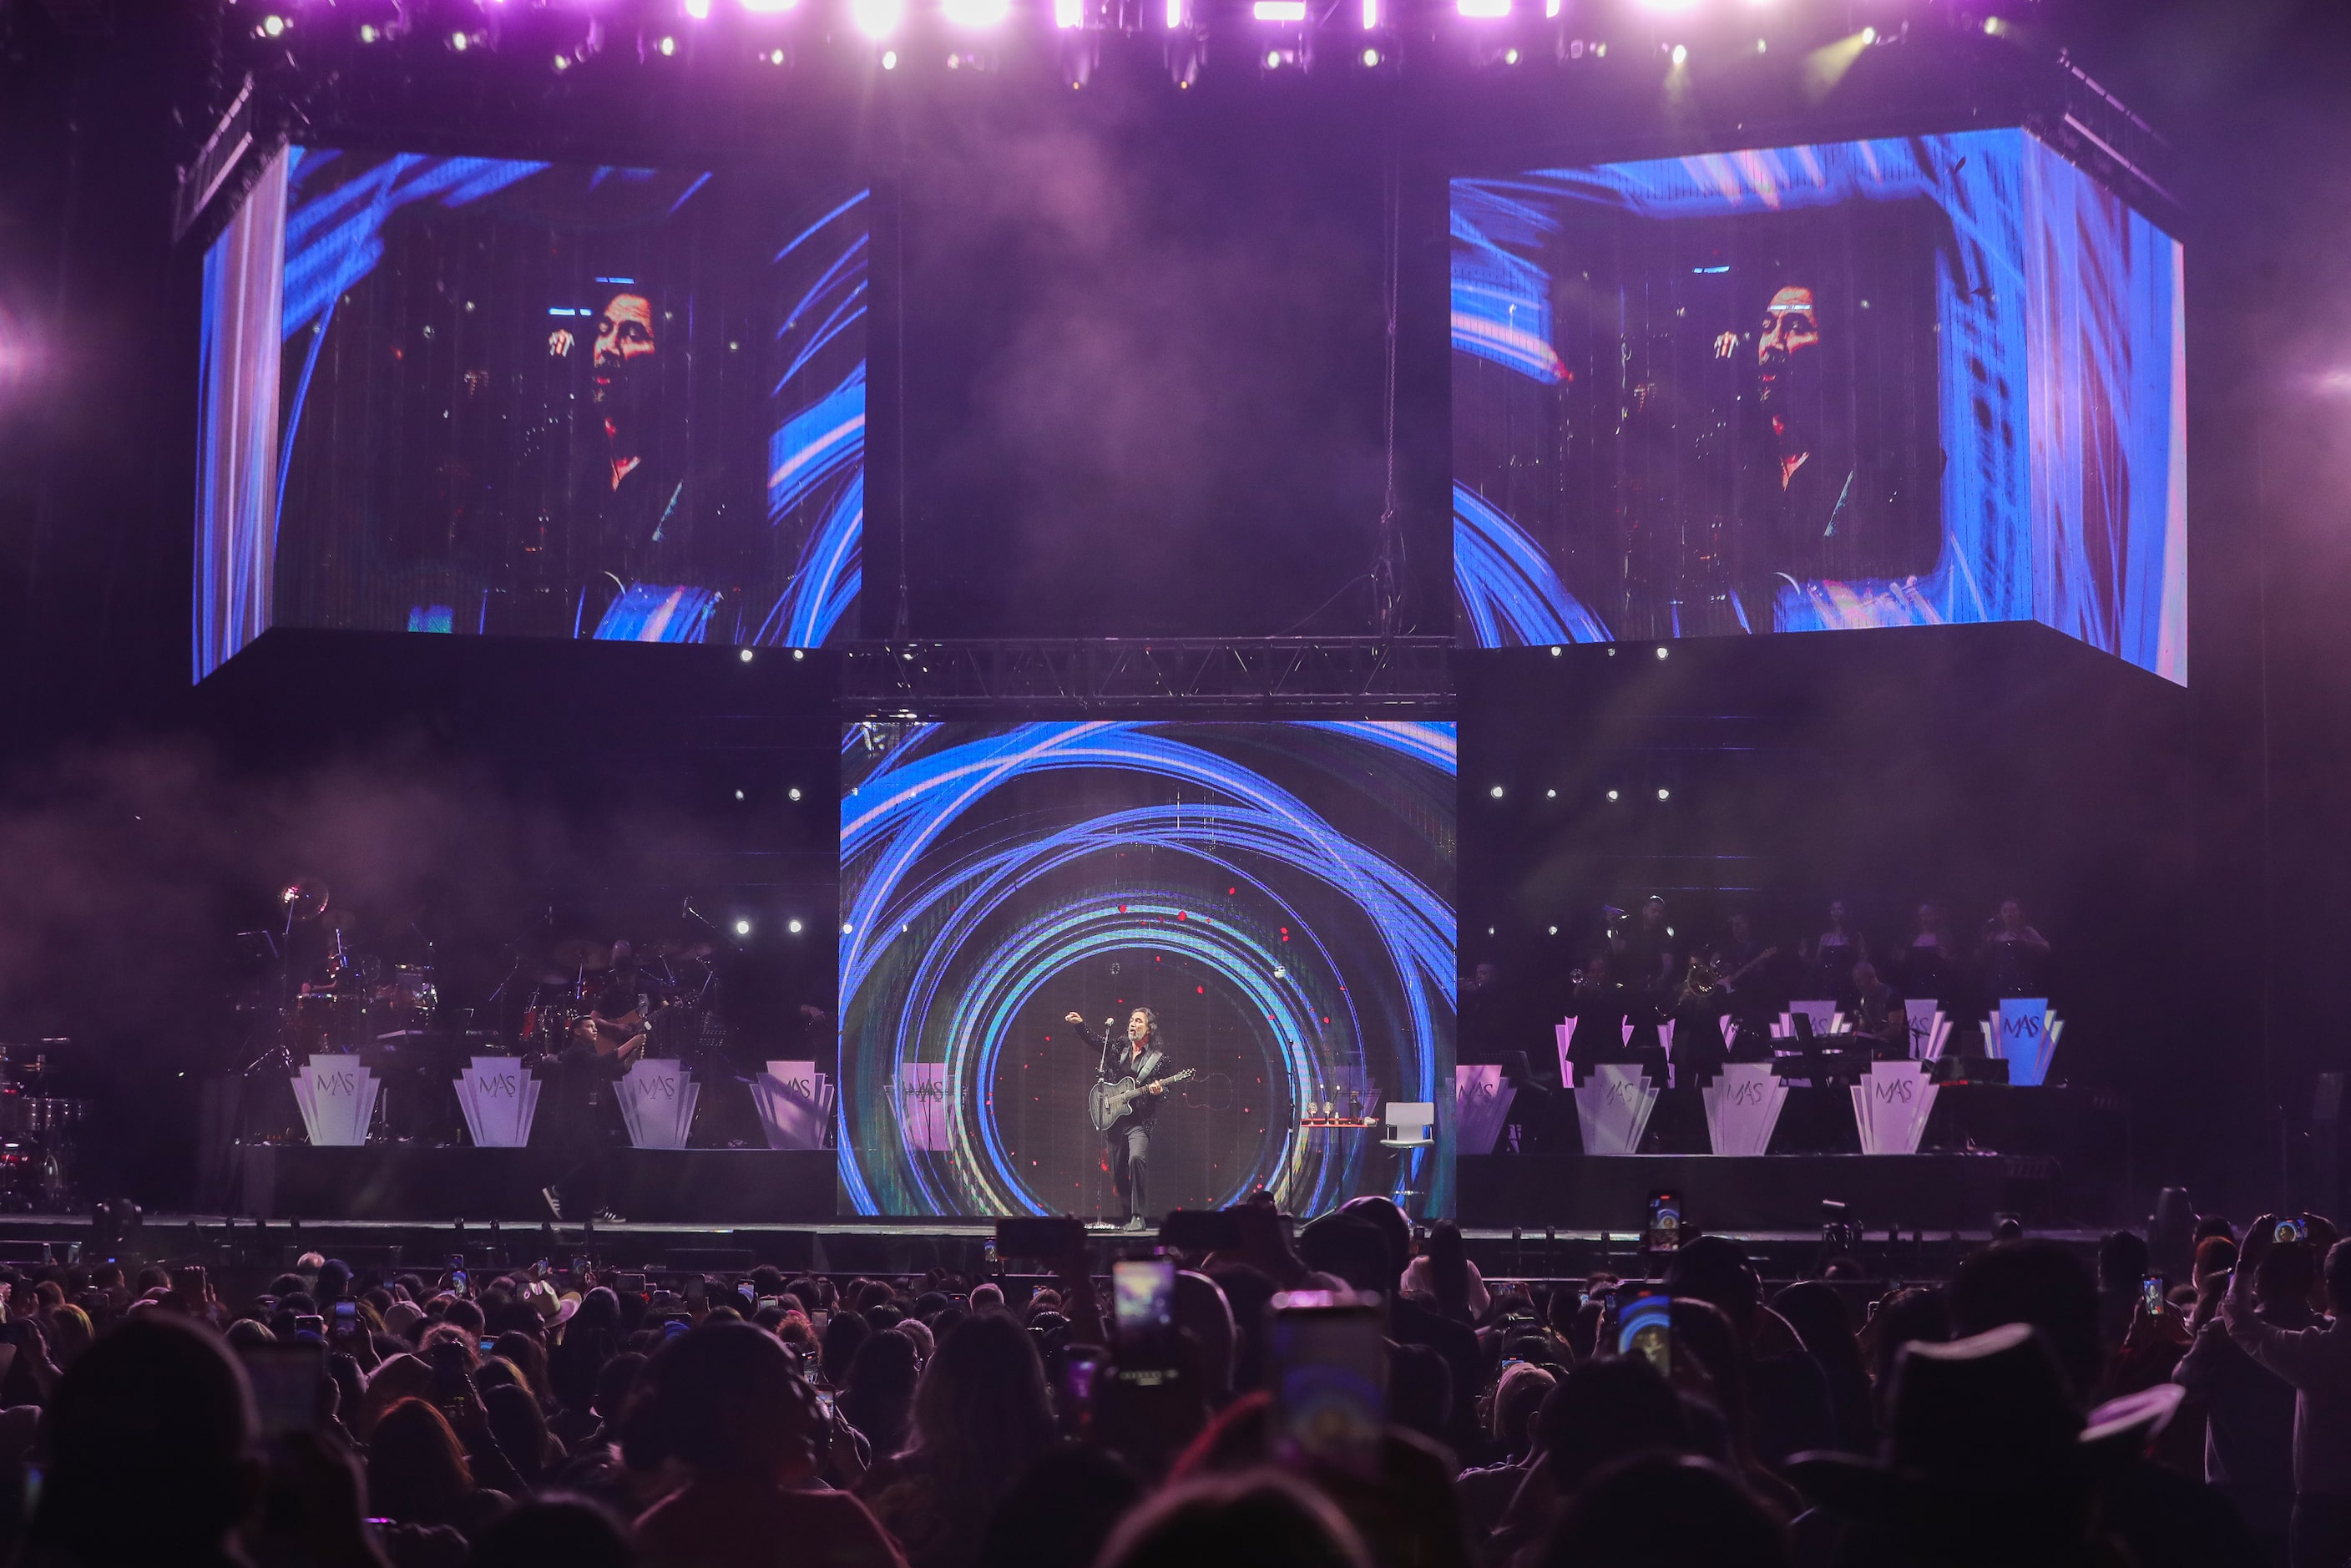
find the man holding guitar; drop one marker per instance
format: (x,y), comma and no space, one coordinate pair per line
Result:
(579,1105)
(1742,967)
(1125,1105)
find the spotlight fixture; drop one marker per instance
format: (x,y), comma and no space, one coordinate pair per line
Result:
(1612,794)
(1664,794)
(878,19)
(1551,794)
(745,654)
(1681,55)
(742,928)
(1483,10)
(793,793)
(1495,792)
(793,926)
(739,794)
(697,10)
(975,12)
(1291,11)
(889,59)
(1868,37)
(1664,652)
(847,929)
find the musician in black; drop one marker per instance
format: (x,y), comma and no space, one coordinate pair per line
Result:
(1879,1015)
(1128,1139)
(581,1094)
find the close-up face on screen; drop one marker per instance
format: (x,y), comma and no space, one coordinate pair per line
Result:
(509,398)
(1880,383)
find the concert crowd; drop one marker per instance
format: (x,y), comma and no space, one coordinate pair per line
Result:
(2034,1408)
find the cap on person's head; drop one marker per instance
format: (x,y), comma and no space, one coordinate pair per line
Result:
(1982,1429)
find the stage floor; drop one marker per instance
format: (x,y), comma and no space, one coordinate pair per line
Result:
(1575,1194)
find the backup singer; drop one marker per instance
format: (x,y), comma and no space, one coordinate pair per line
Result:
(1128,1139)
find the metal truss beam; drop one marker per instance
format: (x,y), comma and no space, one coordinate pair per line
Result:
(1271,677)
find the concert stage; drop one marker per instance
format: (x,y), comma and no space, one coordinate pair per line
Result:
(411,1182)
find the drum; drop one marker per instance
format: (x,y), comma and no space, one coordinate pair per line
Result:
(328,1020)
(408,999)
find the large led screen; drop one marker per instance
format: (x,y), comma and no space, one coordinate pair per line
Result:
(1278,894)
(492,396)
(1903,382)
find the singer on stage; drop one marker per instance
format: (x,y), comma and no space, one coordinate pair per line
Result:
(1128,1138)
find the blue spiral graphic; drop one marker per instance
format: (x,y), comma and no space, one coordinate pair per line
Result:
(1336,944)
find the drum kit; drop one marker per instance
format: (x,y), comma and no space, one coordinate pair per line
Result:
(337,998)
(40,1131)
(346,999)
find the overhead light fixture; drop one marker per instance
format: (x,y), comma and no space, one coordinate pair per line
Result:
(975,12)
(877,18)
(1279,10)
(742,928)
(1483,10)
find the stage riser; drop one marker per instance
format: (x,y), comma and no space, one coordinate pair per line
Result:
(403,1182)
(1580,1192)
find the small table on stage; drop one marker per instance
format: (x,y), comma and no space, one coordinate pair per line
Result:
(1310,1125)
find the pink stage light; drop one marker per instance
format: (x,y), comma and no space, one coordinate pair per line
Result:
(877,18)
(1483,10)
(1280,10)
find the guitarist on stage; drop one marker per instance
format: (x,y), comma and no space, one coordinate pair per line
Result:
(581,1104)
(1128,1139)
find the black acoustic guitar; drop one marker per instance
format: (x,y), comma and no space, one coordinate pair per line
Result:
(1107,1103)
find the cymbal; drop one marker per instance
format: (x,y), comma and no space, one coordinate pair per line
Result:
(305,897)
(584,953)
(682,947)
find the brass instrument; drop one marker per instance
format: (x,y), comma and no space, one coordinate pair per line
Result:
(1699,985)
